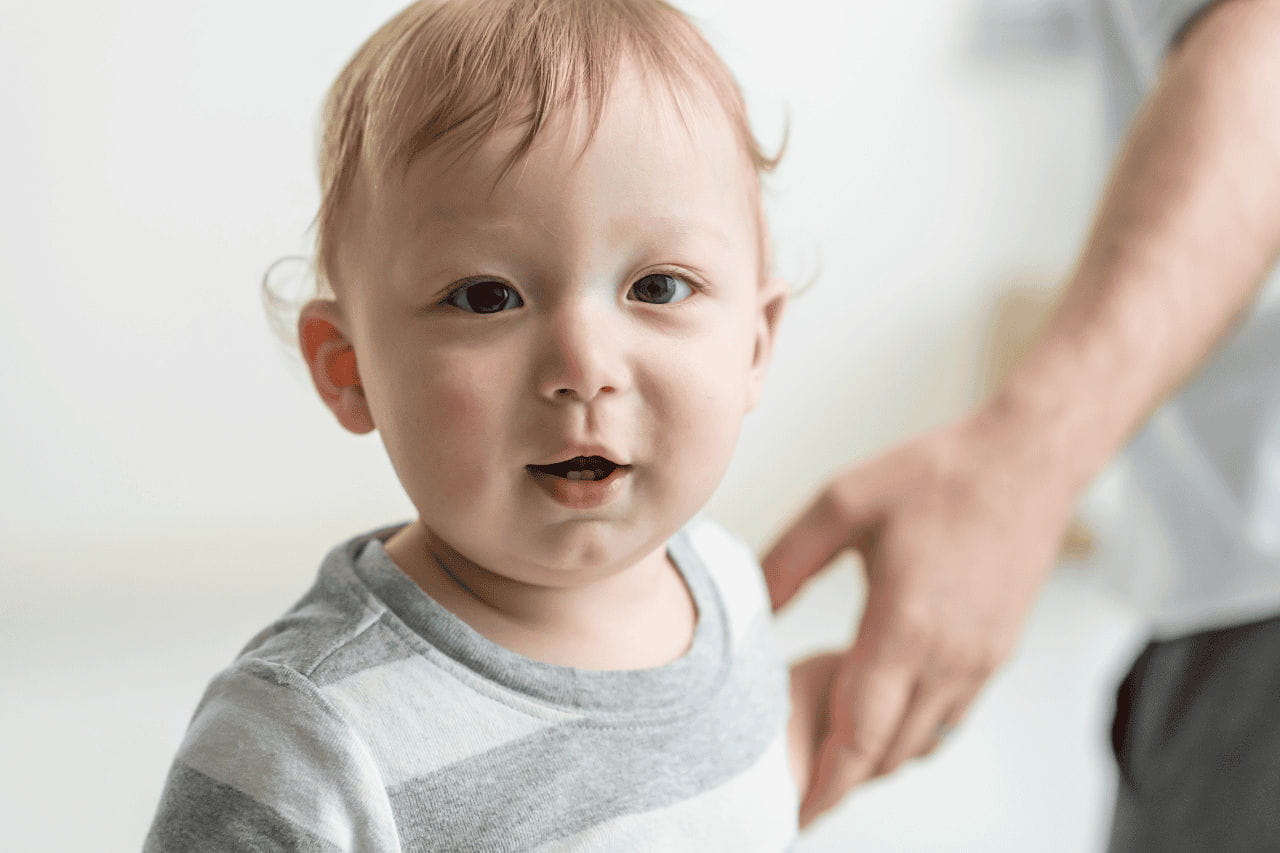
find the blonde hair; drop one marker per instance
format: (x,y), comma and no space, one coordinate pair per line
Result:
(450,72)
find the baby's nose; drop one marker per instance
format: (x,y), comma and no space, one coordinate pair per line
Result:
(585,357)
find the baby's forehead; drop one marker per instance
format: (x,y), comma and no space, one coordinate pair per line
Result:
(446,78)
(658,150)
(600,201)
(635,102)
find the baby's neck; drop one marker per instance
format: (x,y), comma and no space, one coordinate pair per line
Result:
(637,618)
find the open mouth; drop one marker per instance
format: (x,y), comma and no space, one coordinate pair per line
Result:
(579,468)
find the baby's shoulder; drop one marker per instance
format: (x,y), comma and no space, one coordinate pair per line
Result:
(268,754)
(280,678)
(320,674)
(318,636)
(715,543)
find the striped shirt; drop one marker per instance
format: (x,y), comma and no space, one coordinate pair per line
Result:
(368,717)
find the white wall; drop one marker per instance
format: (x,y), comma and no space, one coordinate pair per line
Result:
(170,480)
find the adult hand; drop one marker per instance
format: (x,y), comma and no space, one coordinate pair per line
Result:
(957,529)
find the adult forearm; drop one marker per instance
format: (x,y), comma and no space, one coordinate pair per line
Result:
(1185,233)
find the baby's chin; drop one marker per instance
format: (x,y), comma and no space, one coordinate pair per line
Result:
(560,556)
(583,553)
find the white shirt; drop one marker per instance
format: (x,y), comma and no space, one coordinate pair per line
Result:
(1196,541)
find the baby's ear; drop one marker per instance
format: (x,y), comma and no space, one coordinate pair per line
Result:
(331,358)
(772,301)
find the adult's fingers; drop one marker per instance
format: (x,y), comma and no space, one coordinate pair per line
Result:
(867,701)
(947,654)
(936,705)
(835,520)
(887,699)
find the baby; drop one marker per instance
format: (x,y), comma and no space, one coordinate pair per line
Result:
(545,282)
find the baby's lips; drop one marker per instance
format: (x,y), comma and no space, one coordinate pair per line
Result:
(574,450)
(580,490)
(577,463)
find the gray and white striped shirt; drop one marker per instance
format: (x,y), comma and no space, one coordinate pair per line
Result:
(368,717)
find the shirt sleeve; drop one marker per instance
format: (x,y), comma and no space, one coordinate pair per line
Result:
(268,764)
(1154,26)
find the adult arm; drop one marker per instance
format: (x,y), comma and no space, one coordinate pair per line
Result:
(959,527)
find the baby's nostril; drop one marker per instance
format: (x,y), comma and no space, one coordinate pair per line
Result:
(604,389)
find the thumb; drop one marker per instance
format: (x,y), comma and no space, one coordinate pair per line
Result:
(823,784)
(839,518)
(838,767)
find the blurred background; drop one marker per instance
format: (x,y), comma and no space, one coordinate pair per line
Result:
(168,473)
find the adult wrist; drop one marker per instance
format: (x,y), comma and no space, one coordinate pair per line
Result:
(1043,434)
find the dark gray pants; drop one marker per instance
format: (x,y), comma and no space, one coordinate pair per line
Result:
(1196,736)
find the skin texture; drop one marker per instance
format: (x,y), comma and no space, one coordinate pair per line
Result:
(463,401)
(810,690)
(959,527)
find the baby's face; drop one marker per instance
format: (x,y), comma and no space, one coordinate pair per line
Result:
(605,306)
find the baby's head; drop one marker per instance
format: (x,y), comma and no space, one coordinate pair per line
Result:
(544,274)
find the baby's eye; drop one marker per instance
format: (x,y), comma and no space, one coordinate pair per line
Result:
(659,288)
(484,297)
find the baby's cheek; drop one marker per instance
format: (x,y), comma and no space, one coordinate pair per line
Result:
(466,422)
(445,432)
(460,405)
(696,433)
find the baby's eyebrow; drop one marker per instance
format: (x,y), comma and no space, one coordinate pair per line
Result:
(440,213)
